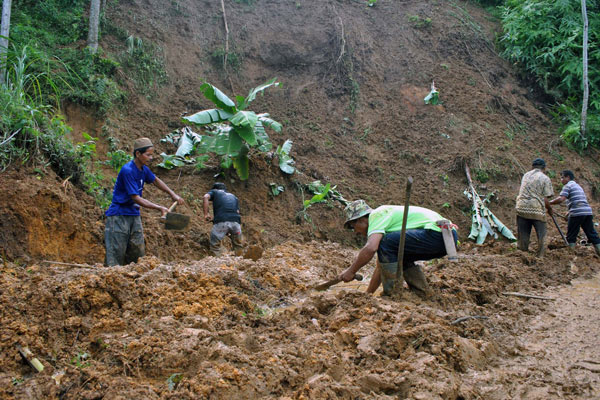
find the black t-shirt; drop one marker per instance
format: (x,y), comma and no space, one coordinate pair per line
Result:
(225,206)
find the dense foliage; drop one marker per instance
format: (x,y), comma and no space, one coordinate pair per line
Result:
(55,32)
(30,131)
(48,63)
(545,37)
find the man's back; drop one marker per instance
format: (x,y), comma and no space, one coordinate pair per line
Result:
(225,206)
(535,186)
(577,203)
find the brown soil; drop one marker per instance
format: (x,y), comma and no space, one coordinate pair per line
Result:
(354,79)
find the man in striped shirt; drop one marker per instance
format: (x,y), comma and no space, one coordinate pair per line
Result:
(580,212)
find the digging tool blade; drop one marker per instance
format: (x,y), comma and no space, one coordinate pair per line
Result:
(175,221)
(328,284)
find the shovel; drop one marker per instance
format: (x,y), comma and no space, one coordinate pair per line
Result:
(328,284)
(174,221)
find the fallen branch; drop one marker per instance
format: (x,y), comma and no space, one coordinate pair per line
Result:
(11,136)
(30,358)
(67,264)
(466,318)
(527,296)
(592,368)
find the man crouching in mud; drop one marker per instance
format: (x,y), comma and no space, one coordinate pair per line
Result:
(383,227)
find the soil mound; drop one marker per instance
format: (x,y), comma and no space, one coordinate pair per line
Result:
(233,327)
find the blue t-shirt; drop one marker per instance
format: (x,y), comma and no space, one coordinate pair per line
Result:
(225,206)
(130,182)
(577,203)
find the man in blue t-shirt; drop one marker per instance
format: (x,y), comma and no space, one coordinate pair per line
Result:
(226,220)
(123,234)
(580,212)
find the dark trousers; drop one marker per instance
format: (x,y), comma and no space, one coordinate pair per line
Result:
(524,232)
(419,244)
(584,222)
(124,239)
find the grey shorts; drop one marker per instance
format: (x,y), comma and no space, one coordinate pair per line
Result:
(222,229)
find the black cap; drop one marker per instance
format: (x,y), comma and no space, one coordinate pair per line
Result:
(539,162)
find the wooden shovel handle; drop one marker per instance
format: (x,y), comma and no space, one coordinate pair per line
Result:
(172,206)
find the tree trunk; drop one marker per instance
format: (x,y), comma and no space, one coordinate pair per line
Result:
(586,88)
(94,21)
(4,28)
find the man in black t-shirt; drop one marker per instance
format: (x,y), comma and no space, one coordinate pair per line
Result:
(226,218)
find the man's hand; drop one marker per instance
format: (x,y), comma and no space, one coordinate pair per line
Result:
(347,275)
(178,199)
(208,218)
(164,211)
(550,212)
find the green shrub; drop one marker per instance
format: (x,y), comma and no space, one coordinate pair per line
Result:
(545,37)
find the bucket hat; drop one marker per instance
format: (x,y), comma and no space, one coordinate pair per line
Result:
(355,210)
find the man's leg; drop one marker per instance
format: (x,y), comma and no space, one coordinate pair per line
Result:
(523,233)
(116,237)
(420,244)
(217,234)
(541,230)
(590,232)
(235,230)
(387,264)
(415,278)
(573,229)
(136,247)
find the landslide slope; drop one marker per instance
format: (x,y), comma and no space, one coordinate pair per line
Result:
(354,78)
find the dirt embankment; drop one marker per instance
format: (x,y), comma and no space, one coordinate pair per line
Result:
(233,327)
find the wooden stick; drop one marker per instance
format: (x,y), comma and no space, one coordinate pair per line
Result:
(468,317)
(527,296)
(400,271)
(30,358)
(68,264)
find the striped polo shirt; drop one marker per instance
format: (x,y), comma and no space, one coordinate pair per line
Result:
(576,201)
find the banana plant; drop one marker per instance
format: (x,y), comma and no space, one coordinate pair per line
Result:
(232,129)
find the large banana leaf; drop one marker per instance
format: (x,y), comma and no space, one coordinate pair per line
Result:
(242,164)
(172,161)
(269,123)
(244,123)
(252,95)
(264,144)
(219,98)
(228,144)
(187,142)
(211,116)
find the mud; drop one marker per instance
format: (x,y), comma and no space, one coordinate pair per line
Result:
(182,325)
(238,328)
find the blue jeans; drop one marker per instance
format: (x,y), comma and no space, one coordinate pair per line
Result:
(419,244)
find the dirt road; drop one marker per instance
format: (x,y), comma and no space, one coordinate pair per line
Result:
(558,354)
